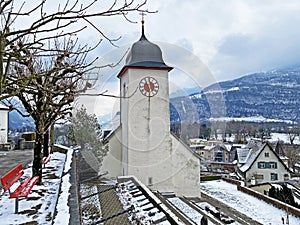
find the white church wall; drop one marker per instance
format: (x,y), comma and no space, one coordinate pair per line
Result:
(112,162)
(148,128)
(125,90)
(186,167)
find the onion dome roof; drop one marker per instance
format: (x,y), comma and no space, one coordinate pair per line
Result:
(144,53)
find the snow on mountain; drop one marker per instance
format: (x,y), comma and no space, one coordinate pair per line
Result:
(268,96)
(257,119)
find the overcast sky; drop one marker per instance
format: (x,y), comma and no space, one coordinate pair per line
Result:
(206,41)
(230,38)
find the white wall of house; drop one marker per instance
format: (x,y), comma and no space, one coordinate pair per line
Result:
(267,168)
(3,124)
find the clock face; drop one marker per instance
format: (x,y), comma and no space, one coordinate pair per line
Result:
(149,86)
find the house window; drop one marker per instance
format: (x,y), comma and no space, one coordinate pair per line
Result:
(269,165)
(267,154)
(261,165)
(259,176)
(219,156)
(274,176)
(273,165)
(286,177)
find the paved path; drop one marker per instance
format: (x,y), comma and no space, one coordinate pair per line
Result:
(10,159)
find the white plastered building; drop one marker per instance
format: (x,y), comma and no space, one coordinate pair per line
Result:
(143,145)
(3,123)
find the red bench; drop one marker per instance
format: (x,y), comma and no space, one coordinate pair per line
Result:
(45,160)
(23,189)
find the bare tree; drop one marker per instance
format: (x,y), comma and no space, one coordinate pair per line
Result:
(292,152)
(17,42)
(51,89)
(43,65)
(293,132)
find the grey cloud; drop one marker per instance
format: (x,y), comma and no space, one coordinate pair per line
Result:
(240,54)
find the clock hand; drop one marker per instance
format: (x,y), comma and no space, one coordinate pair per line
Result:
(149,86)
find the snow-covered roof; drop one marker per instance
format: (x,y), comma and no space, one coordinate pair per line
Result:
(242,154)
(3,107)
(228,147)
(196,145)
(113,125)
(252,155)
(209,147)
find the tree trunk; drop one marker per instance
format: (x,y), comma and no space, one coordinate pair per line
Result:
(51,138)
(46,144)
(37,160)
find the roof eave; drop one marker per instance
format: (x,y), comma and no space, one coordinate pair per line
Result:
(125,68)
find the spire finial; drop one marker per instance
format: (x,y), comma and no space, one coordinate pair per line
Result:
(143,22)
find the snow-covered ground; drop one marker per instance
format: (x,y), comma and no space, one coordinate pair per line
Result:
(254,208)
(189,212)
(274,137)
(283,137)
(40,206)
(43,199)
(143,211)
(186,210)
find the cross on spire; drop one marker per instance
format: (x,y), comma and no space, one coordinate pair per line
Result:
(143,14)
(143,22)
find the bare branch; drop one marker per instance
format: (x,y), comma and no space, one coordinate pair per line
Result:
(109,95)
(110,40)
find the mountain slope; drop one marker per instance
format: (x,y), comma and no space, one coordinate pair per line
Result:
(272,95)
(17,122)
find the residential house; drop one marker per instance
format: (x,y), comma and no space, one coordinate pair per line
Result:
(3,123)
(219,153)
(211,150)
(216,156)
(259,163)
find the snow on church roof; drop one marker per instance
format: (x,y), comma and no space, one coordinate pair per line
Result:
(3,107)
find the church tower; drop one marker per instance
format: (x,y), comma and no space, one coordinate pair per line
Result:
(143,146)
(145,114)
